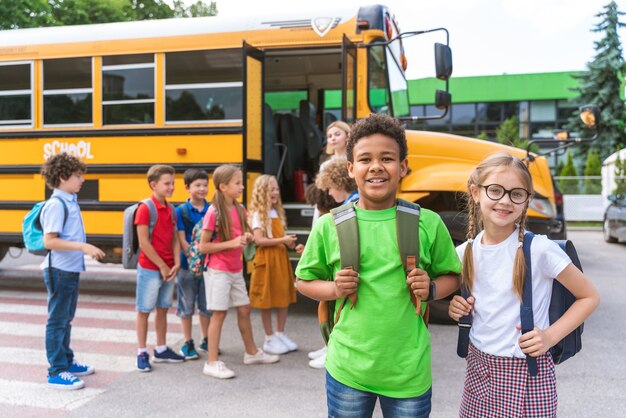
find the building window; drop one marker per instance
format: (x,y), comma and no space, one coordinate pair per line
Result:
(16,94)
(128,89)
(67,91)
(542,111)
(203,86)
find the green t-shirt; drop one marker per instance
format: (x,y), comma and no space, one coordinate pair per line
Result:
(380,345)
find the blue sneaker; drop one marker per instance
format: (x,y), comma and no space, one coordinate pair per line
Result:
(168,356)
(143,363)
(188,350)
(65,381)
(78,369)
(204,345)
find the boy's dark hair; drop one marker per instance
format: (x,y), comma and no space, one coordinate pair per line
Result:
(377,124)
(320,198)
(61,166)
(193,174)
(156,171)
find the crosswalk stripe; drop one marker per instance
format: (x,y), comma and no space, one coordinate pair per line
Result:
(81,298)
(40,395)
(103,362)
(82,333)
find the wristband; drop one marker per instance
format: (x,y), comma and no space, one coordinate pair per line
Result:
(432,290)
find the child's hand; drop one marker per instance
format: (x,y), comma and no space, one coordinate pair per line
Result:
(459,306)
(346,281)
(173,272)
(535,342)
(165,272)
(419,283)
(249,238)
(237,242)
(92,251)
(299,248)
(290,241)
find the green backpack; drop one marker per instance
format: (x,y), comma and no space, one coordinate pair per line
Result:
(407,224)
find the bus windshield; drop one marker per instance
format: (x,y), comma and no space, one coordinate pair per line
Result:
(388,88)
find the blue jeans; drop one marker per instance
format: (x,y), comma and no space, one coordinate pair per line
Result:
(62,298)
(190,290)
(346,402)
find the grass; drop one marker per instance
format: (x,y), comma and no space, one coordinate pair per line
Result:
(585,223)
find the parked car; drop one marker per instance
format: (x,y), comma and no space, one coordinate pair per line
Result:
(614,225)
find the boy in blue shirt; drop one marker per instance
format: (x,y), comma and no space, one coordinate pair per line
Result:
(64,237)
(190,288)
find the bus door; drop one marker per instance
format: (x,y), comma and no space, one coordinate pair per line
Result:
(254,151)
(348,81)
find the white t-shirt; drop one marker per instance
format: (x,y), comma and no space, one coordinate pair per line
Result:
(496,305)
(256,222)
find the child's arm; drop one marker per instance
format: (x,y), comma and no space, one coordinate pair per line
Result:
(345,283)
(52,242)
(147,248)
(176,252)
(182,241)
(419,282)
(537,341)
(209,247)
(263,241)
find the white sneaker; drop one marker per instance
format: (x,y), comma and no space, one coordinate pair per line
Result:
(218,369)
(315,354)
(288,342)
(259,358)
(275,345)
(319,362)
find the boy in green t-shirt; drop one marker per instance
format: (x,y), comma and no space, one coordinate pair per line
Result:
(380,348)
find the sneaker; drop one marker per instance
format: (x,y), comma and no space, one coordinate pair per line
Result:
(315,354)
(259,358)
(204,345)
(143,362)
(65,381)
(189,351)
(218,369)
(274,345)
(168,356)
(288,342)
(78,369)
(318,363)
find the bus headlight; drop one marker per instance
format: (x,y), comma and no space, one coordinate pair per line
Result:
(543,206)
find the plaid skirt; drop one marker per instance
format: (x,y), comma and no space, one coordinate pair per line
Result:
(501,387)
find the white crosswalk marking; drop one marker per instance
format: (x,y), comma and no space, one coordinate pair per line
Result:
(102,362)
(13,393)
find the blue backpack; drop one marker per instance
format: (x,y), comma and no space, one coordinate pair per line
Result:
(32,231)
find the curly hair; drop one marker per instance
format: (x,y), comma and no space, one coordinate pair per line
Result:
(261,202)
(377,124)
(61,167)
(334,173)
(320,198)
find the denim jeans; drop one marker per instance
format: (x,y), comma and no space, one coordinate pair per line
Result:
(62,298)
(346,402)
(190,291)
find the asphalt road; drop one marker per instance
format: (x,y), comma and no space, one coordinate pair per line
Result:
(591,384)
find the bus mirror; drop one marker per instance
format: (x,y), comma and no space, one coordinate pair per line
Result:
(443,61)
(442,99)
(590,115)
(561,135)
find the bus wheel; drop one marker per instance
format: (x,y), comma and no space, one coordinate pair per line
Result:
(111,256)
(4,249)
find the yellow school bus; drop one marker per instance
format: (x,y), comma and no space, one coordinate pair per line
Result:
(196,93)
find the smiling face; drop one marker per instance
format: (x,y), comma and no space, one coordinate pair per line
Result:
(274,191)
(234,188)
(198,189)
(499,214)
(164,187)
(377,170)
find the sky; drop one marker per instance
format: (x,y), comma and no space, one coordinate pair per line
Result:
(487,37)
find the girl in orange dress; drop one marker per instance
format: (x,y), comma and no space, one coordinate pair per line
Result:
(272,281)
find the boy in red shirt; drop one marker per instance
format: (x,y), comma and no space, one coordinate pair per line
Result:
(158,263)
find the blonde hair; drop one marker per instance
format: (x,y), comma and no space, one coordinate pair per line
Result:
(261,202)
(156,171)
(223,175)
(341,125)
(475,220)
(334,173)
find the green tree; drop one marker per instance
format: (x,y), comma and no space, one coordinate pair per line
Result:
(601,86)
(593,167)
(508,134)
(482,135)
(25,14)
(568,185)
(620,176)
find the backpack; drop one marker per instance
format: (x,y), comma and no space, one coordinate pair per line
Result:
(560,302)
(407,226)
(32,231)
(130,241)
(197,261)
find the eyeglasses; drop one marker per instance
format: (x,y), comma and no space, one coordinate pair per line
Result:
(497,192)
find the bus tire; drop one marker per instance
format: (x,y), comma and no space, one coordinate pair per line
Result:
(4,249)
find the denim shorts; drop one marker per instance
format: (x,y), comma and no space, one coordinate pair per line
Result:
(190,291)
(152,291)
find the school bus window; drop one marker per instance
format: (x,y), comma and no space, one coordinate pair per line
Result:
(398,86)
(378,90)
(16,94)
(128,90)
(68,91)
(202,86)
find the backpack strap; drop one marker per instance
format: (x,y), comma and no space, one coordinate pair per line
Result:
(186,217)
(153,215)
(526,307)
(65,215)
(465,326)
(407,231)
(349,248)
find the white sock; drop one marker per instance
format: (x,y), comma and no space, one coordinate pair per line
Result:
(160,348)
(267,337)
(142,350)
